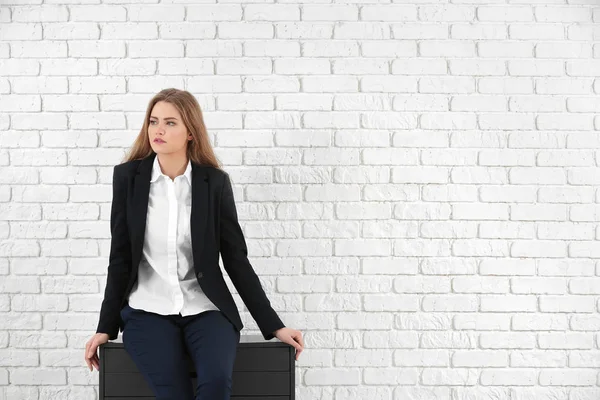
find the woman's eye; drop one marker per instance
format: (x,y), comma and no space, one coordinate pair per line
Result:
(170,122)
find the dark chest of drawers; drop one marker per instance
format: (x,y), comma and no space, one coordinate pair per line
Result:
(263,370)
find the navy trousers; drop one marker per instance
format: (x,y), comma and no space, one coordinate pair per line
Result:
(158,344)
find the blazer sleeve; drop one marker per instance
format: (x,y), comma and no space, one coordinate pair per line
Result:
(119,265)
(235,261)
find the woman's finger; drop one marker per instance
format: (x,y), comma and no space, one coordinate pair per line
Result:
(296,345)
(92,350)
(300,339)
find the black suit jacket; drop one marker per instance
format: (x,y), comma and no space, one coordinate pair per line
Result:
(214,228)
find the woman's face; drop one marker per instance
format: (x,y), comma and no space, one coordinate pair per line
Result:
(166,124)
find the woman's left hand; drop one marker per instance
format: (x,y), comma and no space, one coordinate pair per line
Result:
(292,337)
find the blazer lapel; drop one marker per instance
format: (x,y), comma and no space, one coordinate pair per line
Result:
(139,209)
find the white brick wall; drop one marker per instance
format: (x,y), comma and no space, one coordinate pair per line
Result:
(419,184)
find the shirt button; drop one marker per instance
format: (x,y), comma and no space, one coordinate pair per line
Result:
(199,275)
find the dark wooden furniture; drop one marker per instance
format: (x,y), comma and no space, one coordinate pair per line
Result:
(263,370)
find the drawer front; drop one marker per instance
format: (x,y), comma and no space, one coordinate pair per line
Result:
(276,359)
(262,384)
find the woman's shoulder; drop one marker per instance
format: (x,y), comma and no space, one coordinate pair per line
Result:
(213,171)
(127,167)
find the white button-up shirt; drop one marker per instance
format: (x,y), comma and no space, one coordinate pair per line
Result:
(166,282)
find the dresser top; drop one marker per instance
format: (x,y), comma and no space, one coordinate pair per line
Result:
(256,338)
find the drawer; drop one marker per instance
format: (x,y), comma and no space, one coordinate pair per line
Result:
(244,383)
(248,358)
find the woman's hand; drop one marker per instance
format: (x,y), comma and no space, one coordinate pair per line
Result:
(91,357)
(291,336)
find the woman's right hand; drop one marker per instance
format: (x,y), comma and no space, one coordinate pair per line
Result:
(91,356)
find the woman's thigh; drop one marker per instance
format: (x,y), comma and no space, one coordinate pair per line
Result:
(212,343)
(155,344)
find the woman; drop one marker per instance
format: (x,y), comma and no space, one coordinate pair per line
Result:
(173,212)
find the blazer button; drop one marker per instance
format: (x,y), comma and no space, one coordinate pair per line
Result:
(199,275)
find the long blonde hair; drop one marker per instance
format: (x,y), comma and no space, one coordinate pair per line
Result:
(199,149)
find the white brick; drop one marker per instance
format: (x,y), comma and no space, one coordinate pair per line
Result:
(553,267)
(449,376)
(354,392)
(21,31)
(538,212)
(420,175)
(525,285)
(363,284)
(506,230)
(559,13)
(362,30)
(423,321)
(365,321)
(483,358)
(306,284)
(538,358)
(362,358)
(482,322)
(570,340)
(568,376)
(454,302)
(480,211)
(499,13)
(533,322)
(584,359)
(551,303)
(395,303)
(421,284)
(447,12)
(422,247)
(391,340)
(88,12)
(152,13)
(478,175)
(513,377)
(72,31)
(295,247)
(508,303)
(416,211)
(421,358)
(210,13)
(331,119)
(507,340)
(39,49)
(583,393)
(337,302)
(303,30)
(480,393)
(126,30)
(391,376)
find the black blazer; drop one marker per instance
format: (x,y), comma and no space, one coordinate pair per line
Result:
(214,228)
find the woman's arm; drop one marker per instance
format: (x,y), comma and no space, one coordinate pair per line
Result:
(235,261)
(119,266)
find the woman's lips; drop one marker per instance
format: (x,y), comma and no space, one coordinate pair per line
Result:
(159,141)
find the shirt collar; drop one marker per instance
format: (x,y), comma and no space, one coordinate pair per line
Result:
(157,173)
